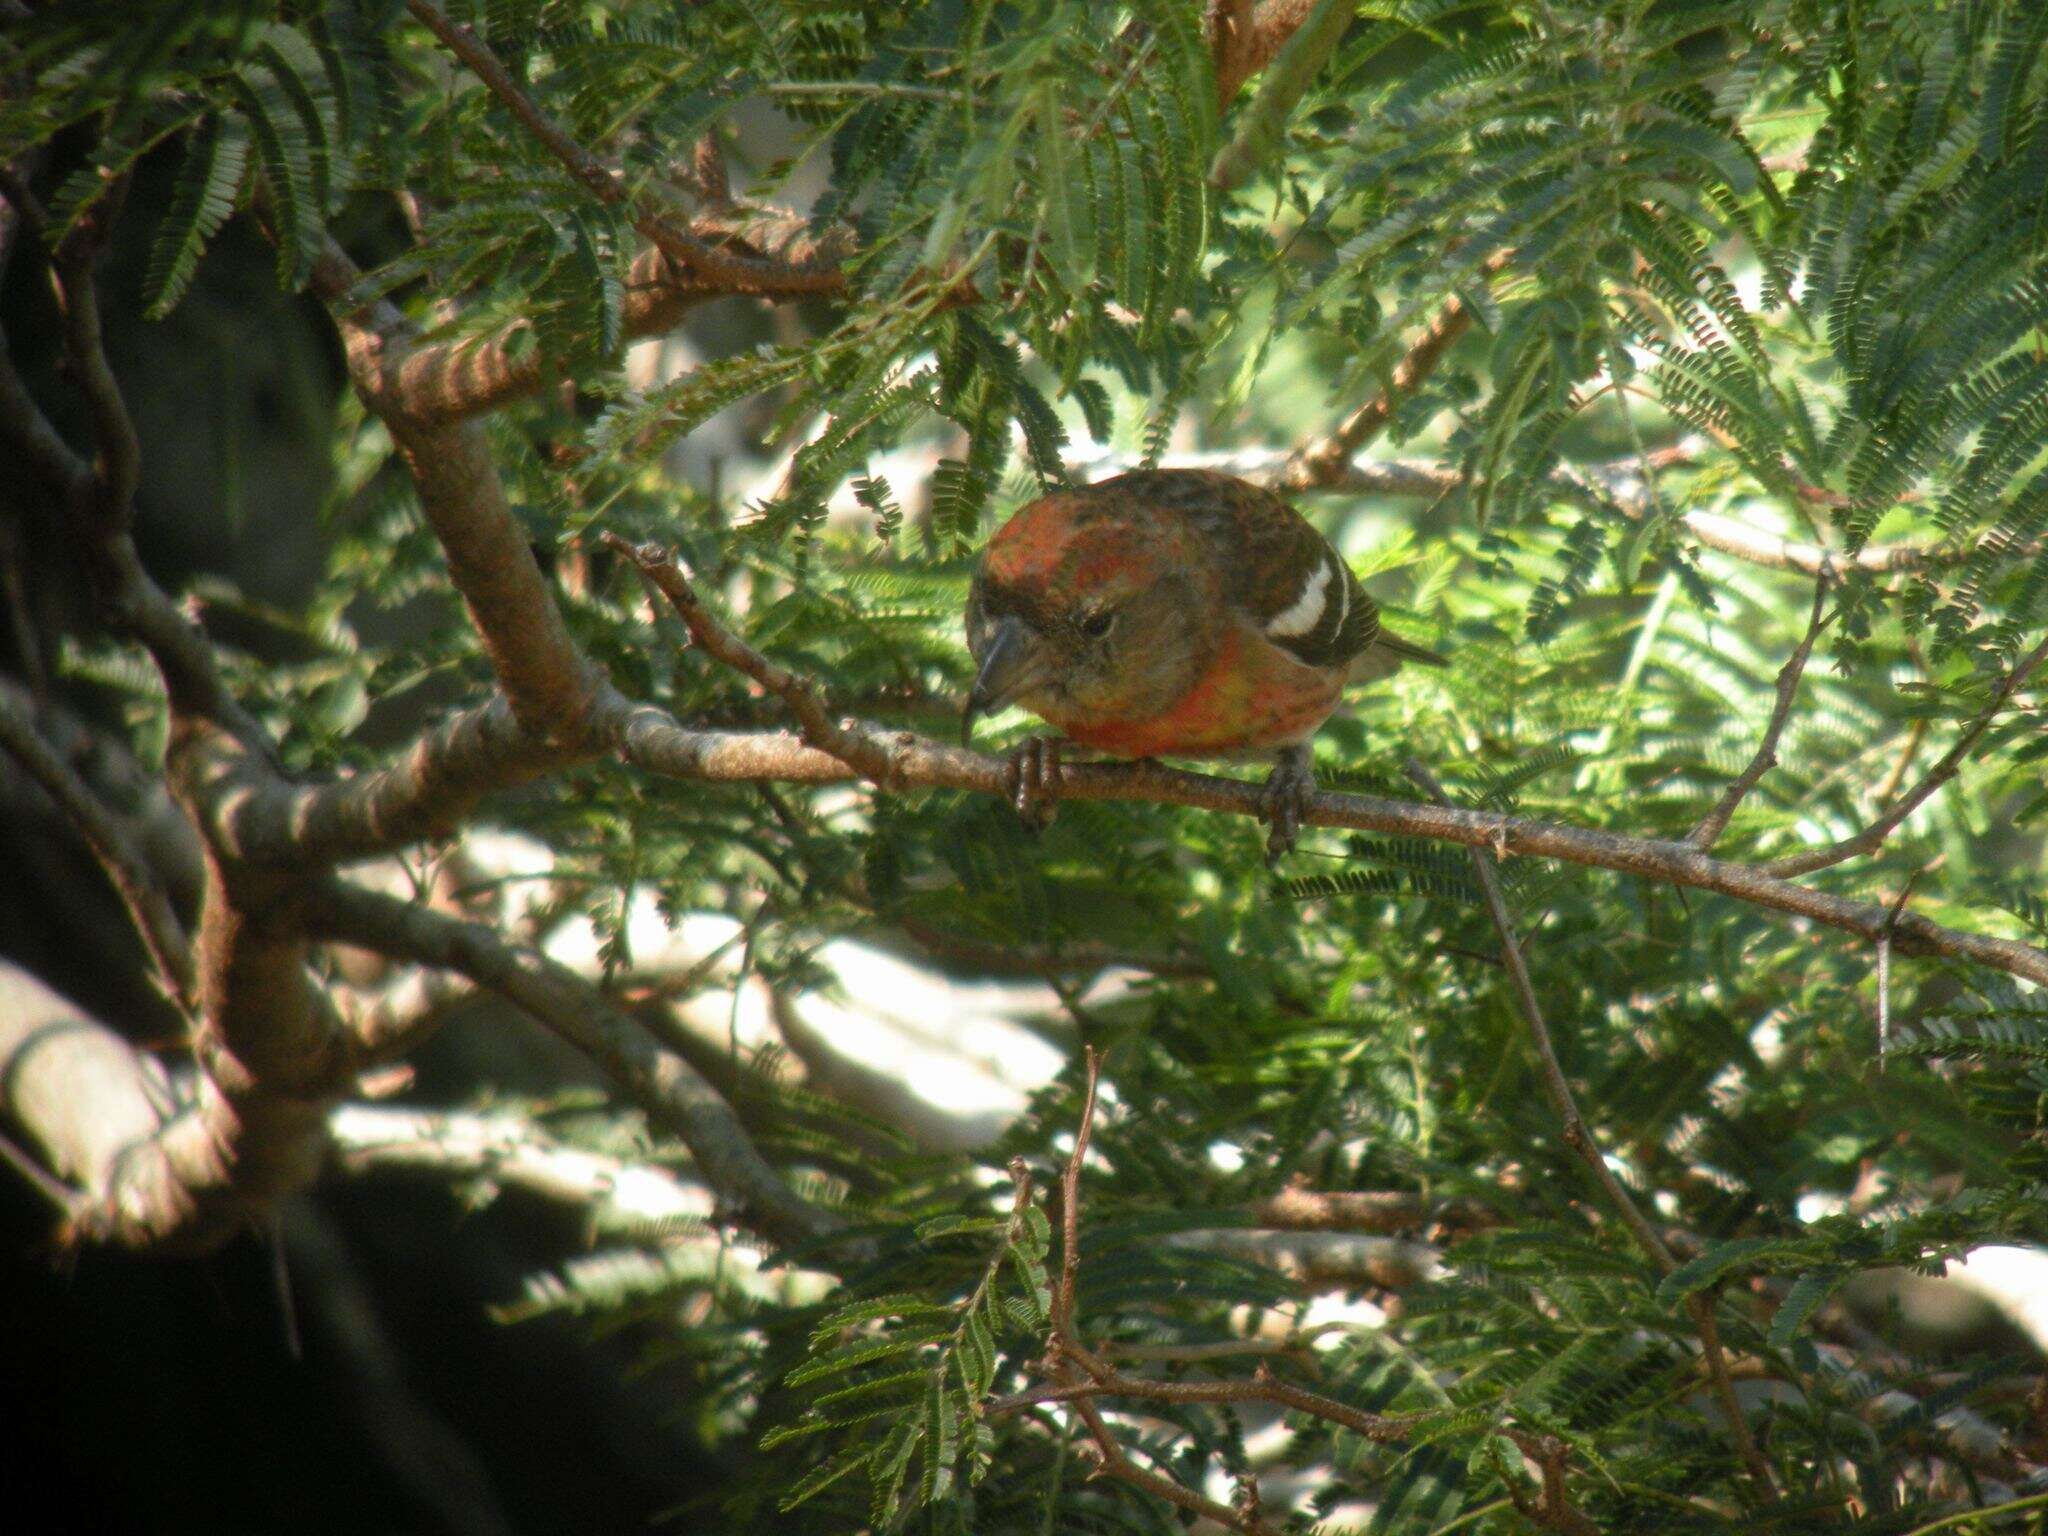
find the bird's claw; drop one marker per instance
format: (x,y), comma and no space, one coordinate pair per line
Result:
(1031,779)
(1285,801)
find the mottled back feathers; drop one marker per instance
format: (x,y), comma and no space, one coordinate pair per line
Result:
(1281,575)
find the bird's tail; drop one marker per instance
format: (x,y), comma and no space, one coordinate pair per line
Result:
(1385,656)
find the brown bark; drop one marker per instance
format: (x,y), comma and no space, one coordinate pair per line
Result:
(1246,36)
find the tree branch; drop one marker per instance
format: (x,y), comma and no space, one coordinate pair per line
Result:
(1244,37)
(156,1171)
(117,461)
(548,684)
(804,699)
(717,266)
(1313,38)
(1580,1140)
(1112,1460)
(1323,462)
(665,1086)
(283,823)
(148,906)
(507,1149)
(439,382)
(270,1049)
(1613,489)
(97,497)
(29,433)
(1715,822)
(1872,837)
(1064,1293)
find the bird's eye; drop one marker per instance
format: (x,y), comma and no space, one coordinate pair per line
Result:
(1096,625)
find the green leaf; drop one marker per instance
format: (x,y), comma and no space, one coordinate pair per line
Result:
(904,1305)
(209,182)
(824,1475)
(1805,1297)
(867,1351)
(942,1422)
(1721,1260)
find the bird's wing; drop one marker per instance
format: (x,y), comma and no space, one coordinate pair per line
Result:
(1279,573)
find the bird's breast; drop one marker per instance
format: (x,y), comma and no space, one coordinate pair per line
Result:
(1252,696)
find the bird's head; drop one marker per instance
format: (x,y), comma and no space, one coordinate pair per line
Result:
(1088,608)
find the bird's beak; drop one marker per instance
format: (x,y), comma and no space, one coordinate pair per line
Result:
(1009,666)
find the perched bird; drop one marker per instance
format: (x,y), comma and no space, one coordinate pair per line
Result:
(1172,612)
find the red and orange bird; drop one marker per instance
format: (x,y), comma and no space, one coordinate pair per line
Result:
(1172,613)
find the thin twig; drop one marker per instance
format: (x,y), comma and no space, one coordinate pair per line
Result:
(1897,775)
(1215,1349)
(1872,837)
(1324,460)
(148,906)
(1715,822)
(1611,488)
(45,1183)
(1070,1209)
(1580,1140)
(802,696)
(665,1086)
(1114,1461)
(1555,1085)
(1381,1428)
(1069,1357)
(117,461)
(1079,1376)
(1884,961)
(714,262)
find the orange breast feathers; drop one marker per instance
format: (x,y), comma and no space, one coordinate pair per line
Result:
(1253,697)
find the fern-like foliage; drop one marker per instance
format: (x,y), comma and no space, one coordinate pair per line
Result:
(1742,284)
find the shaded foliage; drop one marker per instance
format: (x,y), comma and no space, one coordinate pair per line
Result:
(1809,234)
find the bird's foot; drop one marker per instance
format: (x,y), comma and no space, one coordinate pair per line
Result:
(1285,800)
(1031,778)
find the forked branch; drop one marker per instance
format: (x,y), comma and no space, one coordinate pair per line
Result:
(1081,1377)
(1872,837)
(1323,461)
(803,697)
(714,262)
(1715,822)
(140,891)
(666,1087)
(1580,1140)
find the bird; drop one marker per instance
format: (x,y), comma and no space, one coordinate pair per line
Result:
(1171,613)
